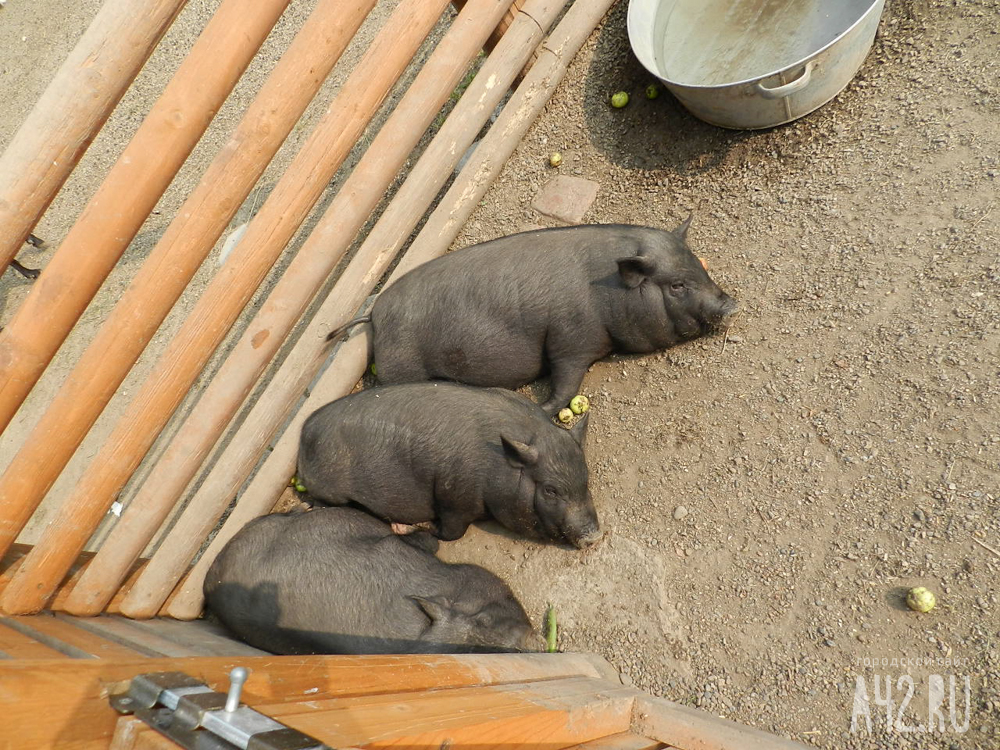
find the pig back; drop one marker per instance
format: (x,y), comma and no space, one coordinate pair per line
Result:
(332,580)
(405,451)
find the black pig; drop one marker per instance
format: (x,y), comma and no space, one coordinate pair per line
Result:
(451,454)
(338,581)
(503,312)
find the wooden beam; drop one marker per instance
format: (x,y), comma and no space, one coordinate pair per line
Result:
(222,300)
(72,109)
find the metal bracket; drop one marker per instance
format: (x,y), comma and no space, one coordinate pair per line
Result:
(193,715)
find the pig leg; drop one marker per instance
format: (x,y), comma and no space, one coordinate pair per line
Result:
(566,378)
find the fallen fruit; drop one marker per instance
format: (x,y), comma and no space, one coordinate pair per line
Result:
(579,404)
(555,158)
(300,487)
(652,91)
(920,599)
(619,99)
(374,372)
(565,415)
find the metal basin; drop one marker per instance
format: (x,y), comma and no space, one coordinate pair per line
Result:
(749,64)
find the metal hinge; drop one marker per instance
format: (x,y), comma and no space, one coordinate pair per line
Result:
(195,716)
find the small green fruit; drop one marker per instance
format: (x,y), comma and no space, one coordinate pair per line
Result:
(920,599)
(619,99)
(565,415)
(555,158)
(652,91)
(374,371)
(579,404)
(300,487)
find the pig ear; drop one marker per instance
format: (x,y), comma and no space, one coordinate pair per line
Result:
(579,430)
(435,607)
(635,270)
(682,230)
(519,454)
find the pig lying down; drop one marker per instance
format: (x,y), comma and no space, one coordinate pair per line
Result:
(338,581)
(504,312)
(451,455)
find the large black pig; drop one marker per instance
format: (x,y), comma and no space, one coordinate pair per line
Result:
(338,581)
(503,312)
(450,454)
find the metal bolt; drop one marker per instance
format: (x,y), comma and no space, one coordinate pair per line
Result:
(236,679)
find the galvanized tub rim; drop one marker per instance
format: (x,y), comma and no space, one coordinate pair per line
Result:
(653,68)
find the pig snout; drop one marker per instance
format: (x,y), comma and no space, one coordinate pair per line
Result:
(588,538)
(727,305)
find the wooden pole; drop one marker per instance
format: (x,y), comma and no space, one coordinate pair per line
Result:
(223,299)
(312,264)
(175,259)
(439,232)
(355,284)
(129,192)
(72,110)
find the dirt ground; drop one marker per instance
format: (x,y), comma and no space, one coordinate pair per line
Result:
(771,493)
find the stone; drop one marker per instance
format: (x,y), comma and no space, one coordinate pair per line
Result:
(565,198)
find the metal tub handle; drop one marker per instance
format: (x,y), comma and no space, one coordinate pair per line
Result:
(779,92)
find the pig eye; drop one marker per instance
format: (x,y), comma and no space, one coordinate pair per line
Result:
(678,286)
(550,491)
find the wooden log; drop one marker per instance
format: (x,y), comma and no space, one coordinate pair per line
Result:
(72,109)
(177,256)
(16,554)
(350,290)
(72,694)
(221,302)
(308,270)
(501,28)
(690,729)
(121,204)
(442,227)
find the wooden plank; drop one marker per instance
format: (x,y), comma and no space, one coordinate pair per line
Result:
(690,729)
(622,741)
(552,714)
(69,640)
(128,634)
(72,693)
(200,636)
(17,645)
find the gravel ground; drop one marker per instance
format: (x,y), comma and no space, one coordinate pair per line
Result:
(769,493)
(772,493)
